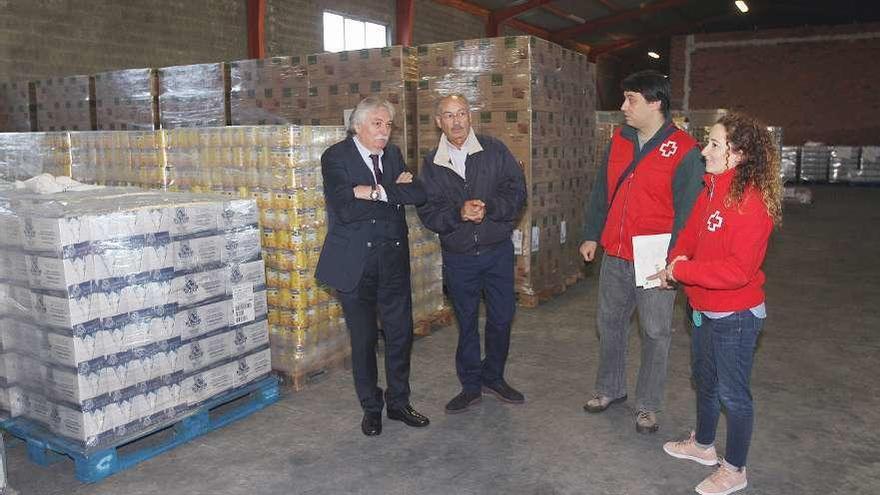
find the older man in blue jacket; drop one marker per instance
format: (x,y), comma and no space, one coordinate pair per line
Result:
(476,191)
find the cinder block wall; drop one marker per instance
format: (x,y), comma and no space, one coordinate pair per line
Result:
(42,38)
(818,83)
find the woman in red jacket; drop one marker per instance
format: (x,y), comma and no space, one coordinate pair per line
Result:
(717,259)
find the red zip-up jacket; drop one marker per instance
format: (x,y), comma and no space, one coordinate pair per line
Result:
(725,246)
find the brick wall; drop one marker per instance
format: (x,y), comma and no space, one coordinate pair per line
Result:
(42,38)
(296,26)
(818,83)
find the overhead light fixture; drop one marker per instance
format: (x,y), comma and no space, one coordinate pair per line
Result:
(653,54)
(742,6)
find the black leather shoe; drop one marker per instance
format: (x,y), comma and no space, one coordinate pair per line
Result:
(409,416)
(505,392)
(372,424)
(462,401)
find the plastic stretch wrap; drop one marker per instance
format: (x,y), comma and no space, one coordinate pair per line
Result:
(268,91)
(426,268)
(17,112)
(118,158)
(815,163)
(194,95)
(869,166)
(127,100)
(121,310)
(844,162)
(539,99)
(65,103)
(789,158)
(26,154)
(338,81)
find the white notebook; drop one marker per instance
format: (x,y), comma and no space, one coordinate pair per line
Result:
(649,257)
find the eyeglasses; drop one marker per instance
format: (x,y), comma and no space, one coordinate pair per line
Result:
(460,115)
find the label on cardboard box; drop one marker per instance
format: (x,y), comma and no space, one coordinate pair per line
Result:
(517,238)
(536,238)
(563,233)
(242,303)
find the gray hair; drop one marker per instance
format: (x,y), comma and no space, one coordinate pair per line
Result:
(367,106)
(456,96)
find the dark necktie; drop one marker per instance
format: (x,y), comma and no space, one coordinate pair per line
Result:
(376,169)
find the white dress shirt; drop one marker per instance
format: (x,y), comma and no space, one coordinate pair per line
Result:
(365,154)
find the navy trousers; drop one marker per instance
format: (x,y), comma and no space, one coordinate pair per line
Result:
(467,278)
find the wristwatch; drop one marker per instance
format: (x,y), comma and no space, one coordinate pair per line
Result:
(374,194)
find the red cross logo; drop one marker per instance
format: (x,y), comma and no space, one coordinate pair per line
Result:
(714,222)
(668,148)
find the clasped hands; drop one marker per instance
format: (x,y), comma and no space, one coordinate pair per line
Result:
(363,192)
(473,210)
(665,275)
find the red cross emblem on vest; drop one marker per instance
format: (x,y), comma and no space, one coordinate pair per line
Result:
(714,222)
(668,148)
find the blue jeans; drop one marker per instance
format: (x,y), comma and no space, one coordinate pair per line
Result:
(467,277)
(723,351)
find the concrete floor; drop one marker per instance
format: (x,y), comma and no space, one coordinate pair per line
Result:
(815,385)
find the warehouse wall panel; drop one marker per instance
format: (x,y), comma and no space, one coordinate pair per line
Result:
(818,83)
(42,38)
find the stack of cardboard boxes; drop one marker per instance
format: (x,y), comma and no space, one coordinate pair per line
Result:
(539,99)
(16,106)
(127,100)
(65,103)
(268,91)
(194,95)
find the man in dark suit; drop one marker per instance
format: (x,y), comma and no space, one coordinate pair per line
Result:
(366,257)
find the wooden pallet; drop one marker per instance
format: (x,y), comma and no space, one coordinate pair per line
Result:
(45,448)
(438,319)
(307,376)
(548,293)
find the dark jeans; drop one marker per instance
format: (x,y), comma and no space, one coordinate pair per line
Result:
(722,351)
(489,273)
(383,288)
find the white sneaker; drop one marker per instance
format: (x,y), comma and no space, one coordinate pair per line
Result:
(723,481)
(687,449)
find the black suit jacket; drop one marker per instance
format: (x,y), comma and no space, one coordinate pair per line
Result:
(351,222)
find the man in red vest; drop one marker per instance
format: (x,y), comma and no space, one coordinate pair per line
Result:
(648,185)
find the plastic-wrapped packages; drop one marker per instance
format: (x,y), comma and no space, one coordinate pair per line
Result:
(815,163)
(65,103)
(107,297)
(789,158)
(194,95)
(338,81)
(118,158)
(26,154)
(127,100)
(268,91)
(869,166)
(17,109)
(426,269)
(539,99)
(844,161)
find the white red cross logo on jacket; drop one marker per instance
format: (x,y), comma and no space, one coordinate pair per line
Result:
(714,222)
(668,148)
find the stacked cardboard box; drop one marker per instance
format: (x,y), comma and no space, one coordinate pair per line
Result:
(194,95)
(125,309)
(426,268)
(65,103)
(789,163)
(869,166)
(26,154)
(844,161)
(338,81)
(17,111)
(268,91)
(815,163)
(539,99)
(127,100)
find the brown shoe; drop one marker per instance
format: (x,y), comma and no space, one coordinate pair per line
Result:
(601,402)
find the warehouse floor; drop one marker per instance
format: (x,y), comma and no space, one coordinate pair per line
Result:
(815,384)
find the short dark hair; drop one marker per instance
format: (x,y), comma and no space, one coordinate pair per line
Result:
(653,85)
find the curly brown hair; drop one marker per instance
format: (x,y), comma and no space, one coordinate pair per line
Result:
(759,167)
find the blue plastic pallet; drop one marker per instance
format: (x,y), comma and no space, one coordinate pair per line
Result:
(44,448)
